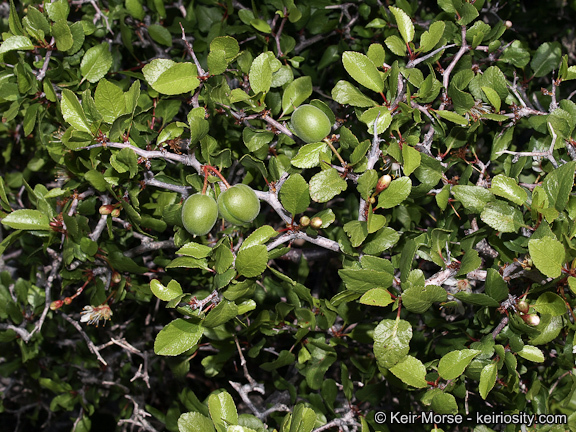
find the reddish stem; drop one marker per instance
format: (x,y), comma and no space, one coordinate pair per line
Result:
(215,171)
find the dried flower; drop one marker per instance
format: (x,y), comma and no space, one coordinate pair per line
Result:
(93,314)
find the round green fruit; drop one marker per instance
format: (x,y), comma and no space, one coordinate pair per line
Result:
(239,204)
(310,124)
(199,214)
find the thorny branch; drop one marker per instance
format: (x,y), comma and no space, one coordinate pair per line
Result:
(90,344)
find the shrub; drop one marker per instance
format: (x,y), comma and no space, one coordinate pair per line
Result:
(419,258)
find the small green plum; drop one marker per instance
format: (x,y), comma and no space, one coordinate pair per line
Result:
(316,223)
(310,123)
(239,204)
(523,306)
(199,214)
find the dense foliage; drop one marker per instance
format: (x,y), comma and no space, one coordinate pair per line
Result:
(403,244)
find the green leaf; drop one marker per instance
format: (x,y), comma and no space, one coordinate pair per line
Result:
(259,236)
(194,421)
(411,371)
(405,26)
(550,304)
(508,188)
(366,183)
(493,97)
(346,94)
(470,262)
(170,132)
(453,117)
(171,78)
(411,158)
(363,70)
(468,13)
(357,231)
(14,23)
(391,341)
(558,185)
(381,115)
(134,8)
(531,353)
(165,293)
(444,403)
(72,111)
(396,45)
(473,198)
(284,359)
(63,35)
(222,313)
(496,287)
(195,250)
(452,365)
(502,217)
(303,419)
(546,59)
(548,255)
(16,43)
(326,185)
(27,220)
(217,62)
(383,240)
(362,280)
(309,155)
(295,194)
(376,297)
(396,193)
(430,38)
(418,299)
(488,378)
(109,100)
(477,299)
(177,337)
(251,262)
(261,25)
(58,9)
(377,54)
(188,262)
(375,223)
(96,62)
(227,44)
(295,93)
(160,34)
(255,139)
(222,410)
(260,75)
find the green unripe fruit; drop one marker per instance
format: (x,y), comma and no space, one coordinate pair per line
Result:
(239,204)
(304,221)
(310,124)
(523,306)
(532,320)
(199,214)
(316,223)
